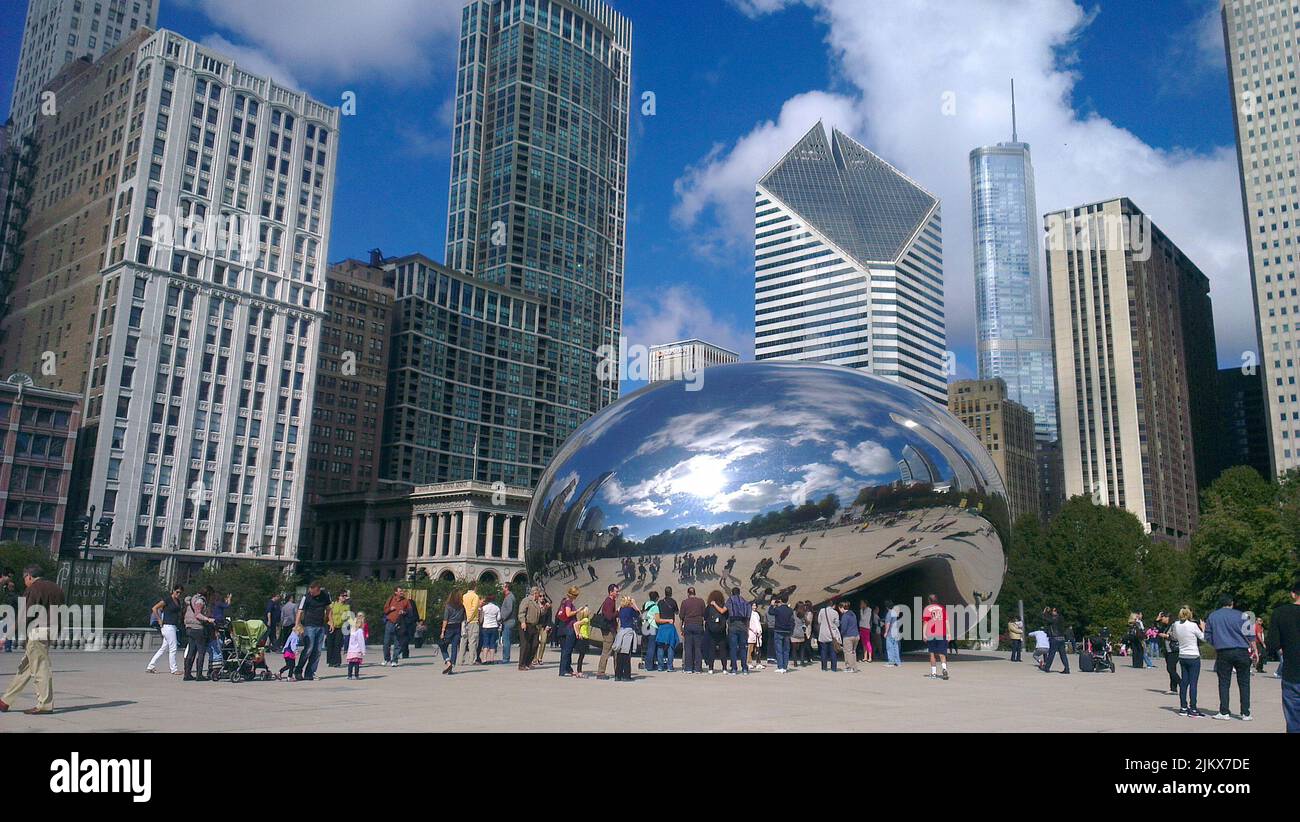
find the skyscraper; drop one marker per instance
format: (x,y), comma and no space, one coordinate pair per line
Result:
(1006,428)
(538,195)
(209,297)
(1013,343)
(848,265)
(1260,39)
(57,32)
(465,387)
(1134,341)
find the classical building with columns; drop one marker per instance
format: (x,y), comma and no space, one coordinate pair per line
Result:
(462,530)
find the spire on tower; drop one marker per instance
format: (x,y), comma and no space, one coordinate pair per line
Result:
(1014,138)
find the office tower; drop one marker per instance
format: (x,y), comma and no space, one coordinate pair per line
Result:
(538,194)
(216,192)
(1259,36)
(351,382)
(1133,334)
(1051,479)
(675,360)
(848,265)
(57,239)
(1241,402)
(1006,428)
(60,31)
(38,430)
(1013,343)
(466,398)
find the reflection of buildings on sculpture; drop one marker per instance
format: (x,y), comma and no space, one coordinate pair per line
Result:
(461,530)
(773,475)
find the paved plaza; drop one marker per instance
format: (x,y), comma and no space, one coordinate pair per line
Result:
(110,692)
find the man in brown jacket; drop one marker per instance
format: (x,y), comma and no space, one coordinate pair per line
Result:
(41,595)
(530,613)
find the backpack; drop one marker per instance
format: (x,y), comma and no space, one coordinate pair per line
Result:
(715,622)
(648,624)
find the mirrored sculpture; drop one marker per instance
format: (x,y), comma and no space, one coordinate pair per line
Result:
(818,481)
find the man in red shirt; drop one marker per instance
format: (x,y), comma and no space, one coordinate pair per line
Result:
(934,629)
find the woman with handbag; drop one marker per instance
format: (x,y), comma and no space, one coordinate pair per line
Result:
(828,636)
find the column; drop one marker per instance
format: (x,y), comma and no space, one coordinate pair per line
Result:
(441,549)
(519,549)
(469,533)
(413,539)
(506,547)
(489,550)
(428,534)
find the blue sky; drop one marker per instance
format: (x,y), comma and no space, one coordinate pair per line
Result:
(1112,101)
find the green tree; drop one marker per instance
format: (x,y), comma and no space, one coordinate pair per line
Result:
(1245,545)
(250,585)
(15,556)
(132,591)
(1093,562)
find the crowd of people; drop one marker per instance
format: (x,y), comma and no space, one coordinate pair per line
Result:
(1240,641)
(723,632)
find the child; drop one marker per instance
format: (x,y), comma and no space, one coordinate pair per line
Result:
(291,646)
(582,627)
(357,646)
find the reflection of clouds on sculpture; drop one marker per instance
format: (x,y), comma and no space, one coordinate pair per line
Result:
(758,450)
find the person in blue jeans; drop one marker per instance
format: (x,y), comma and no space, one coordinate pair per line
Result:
(782,616)
(649,630)
(738,611)
(311,616)
(1284,634)
(892,655)
(1188,635)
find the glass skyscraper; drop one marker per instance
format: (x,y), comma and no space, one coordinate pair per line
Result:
(1012,339)
(538,195)
(848,264)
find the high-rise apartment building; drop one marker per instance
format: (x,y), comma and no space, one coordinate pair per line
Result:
(211,189)
(1006,429)
(351,383)
(1012,339)
(1134,339)
(59,31)
(848,265)
(1260,37)
(538,195)
(467,395)
(675,360)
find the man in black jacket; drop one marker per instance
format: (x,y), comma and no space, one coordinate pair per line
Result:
(1284,634)
(1056,639)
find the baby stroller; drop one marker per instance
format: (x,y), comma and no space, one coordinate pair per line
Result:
(1096,654)
(243,651)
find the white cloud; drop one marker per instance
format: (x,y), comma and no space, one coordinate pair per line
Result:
(678,313)
(869,458)
(900,59)
(344,40)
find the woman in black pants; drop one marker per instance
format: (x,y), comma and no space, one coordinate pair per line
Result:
(197,626)
(1170,648)
(715,631)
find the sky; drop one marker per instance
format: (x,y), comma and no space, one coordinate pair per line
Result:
(1114,97)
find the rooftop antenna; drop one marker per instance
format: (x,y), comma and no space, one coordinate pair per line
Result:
(1014,138)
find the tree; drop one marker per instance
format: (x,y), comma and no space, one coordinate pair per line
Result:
(1095,563)
(15,556)
(250,585)
(132,590)
(1245,545)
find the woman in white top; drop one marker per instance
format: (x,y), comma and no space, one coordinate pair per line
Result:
(1188,635)
(755,639)
(491,629)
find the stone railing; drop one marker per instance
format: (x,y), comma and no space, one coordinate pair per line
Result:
(110,639)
